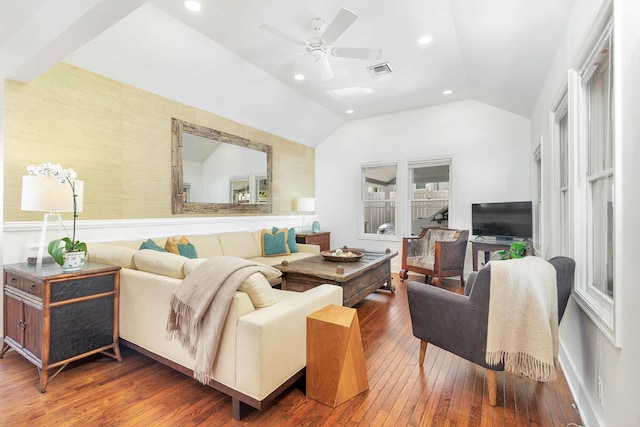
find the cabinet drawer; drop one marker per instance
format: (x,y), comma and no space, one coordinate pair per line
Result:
(29,286)
(86,286)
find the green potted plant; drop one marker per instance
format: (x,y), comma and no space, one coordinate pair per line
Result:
(68,252)
(516,250)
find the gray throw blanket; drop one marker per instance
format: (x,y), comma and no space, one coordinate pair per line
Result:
(199,307)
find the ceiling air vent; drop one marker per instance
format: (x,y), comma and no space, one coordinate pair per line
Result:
(380,69)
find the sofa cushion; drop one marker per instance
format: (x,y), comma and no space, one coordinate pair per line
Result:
(274,242)
(259,290)
(163,263)
(207,245)
(239,244)
(111,255)
(150,244)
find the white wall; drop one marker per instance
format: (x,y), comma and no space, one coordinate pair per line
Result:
(586,353)
(490,162)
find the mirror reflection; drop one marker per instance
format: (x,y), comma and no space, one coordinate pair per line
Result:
(217,172)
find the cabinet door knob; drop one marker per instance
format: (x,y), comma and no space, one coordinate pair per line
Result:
(21,324)
(32,287)
(13,279)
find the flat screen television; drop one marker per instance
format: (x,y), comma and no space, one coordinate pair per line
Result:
(506,220)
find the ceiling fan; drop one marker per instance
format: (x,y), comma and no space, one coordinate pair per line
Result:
(321,45)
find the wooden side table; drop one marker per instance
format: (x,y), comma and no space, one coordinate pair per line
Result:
(53,317)
(336,370)
(322,239)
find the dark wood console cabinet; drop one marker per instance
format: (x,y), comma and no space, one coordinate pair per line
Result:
(53,317)
(322,239)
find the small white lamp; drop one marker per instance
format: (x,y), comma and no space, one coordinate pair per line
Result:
(45,193)
(304,205)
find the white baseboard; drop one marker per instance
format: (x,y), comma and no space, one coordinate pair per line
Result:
(583,402)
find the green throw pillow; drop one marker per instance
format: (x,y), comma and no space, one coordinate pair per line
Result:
(274,243)
(187,250)
(291,238)
(150,244)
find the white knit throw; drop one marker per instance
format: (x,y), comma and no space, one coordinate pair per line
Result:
(199,307)
(522,331)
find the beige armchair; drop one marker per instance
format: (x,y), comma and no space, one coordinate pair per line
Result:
(436,253)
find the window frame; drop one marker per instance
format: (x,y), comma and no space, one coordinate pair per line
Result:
(560,127)
(538,200)
(362,234)
(601,308)
(418,163)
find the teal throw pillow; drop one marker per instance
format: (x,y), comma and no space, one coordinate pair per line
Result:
(150,244)
(291,238)
(274,243)
(187,250)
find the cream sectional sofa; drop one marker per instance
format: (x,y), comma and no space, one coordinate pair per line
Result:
(262,350)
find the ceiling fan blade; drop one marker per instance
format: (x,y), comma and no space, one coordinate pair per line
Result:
(280,33)
(340,23)
(326,72)
(357,53)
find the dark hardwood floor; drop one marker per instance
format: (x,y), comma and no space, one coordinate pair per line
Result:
(140,392)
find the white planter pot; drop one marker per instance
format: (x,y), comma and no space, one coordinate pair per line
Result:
(73,260)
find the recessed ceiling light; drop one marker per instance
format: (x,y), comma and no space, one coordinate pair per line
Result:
(447,92)
(425,40)
(349,111)
(299,77)
(192,5)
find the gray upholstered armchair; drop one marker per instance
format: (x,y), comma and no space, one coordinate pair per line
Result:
(436,253)
(458,323)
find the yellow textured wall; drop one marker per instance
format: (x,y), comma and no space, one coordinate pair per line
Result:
(118,139)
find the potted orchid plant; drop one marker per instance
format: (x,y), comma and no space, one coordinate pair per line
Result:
(68,252)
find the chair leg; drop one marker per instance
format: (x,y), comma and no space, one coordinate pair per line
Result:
(404,275)
(491,386)
(423,350)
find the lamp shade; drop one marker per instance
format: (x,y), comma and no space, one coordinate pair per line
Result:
(44,193)
(305,204)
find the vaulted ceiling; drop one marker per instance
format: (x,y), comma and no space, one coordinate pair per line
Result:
(493,51)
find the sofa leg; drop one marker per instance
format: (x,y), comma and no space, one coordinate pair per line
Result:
(423,351)
(239,409)
(491,386)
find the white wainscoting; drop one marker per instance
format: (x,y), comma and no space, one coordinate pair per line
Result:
(21,238)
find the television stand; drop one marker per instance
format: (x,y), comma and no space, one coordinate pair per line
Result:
(487,245)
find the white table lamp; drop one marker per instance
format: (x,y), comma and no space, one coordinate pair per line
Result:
(44,193)
(304,205)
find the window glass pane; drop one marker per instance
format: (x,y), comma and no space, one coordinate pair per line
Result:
(429,196)
(602,235)
(565,214)
(379,199)
(600,118)
(564,150)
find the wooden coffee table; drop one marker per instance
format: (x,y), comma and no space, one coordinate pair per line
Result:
(358,279)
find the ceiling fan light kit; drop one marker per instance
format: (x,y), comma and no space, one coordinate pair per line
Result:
(321,44)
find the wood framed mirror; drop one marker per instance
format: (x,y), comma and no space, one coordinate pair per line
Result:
(219,173)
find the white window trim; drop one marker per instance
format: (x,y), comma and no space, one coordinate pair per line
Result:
(601,309)
(538,198)
(559,111)
(400,180)
(431,161)
(403,198)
